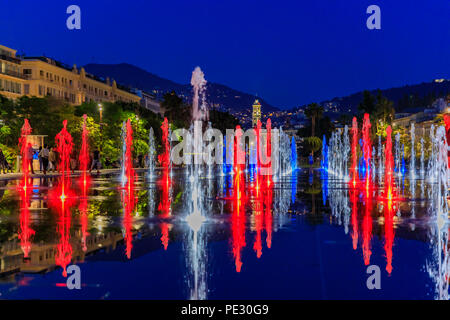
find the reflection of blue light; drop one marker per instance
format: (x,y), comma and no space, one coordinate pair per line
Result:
(324,178)
(324,161)
(403,166)
(362,167)
(293,187)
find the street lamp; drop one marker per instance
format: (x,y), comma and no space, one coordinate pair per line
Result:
(100,108)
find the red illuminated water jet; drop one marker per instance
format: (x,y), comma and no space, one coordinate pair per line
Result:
(388,195)
(23,146)
(354,169)
(447,131)
(367,144)
(268,166)
(164,158)
(128,196)
(389,164)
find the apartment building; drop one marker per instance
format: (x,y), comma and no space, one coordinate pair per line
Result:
(42,76)
(11,77)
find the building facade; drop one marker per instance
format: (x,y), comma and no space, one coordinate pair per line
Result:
(11,77)
(148,101)
(42,76)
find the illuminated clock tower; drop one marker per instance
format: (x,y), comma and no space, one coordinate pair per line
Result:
(256,115)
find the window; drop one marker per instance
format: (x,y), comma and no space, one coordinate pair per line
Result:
(26,89)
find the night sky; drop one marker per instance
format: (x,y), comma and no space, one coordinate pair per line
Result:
(288,52)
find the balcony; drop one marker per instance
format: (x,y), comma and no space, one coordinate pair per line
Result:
(10,59)
(13,74)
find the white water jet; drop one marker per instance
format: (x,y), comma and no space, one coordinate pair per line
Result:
(412,163)
(199,108)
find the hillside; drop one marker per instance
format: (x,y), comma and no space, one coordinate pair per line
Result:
(220,96)
(418,95)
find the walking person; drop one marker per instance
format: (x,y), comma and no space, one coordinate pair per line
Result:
(29,157)
(52,159)
(95,161)
(41,164)
(3,163)
(44,154)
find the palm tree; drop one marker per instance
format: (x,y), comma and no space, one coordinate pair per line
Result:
(314,111)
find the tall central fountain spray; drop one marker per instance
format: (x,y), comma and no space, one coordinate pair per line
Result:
(199,108)
(196,244)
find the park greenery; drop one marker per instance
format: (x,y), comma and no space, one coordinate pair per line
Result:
(46,117)
(382,113)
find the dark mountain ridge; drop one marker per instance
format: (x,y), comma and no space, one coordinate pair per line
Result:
(218,96)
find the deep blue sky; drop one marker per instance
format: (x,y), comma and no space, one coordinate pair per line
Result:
(288,52)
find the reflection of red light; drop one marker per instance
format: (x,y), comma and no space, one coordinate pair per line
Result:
(62,202)
(258,215)
(367,230)
(388,234)
(268,212)
(25,232)
(354,200)
(83,208)
(164,206)
(238,222)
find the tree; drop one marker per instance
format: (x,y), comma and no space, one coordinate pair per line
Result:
(314,111)
(222,120)
(367,105)
(175,110)
(313,144)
